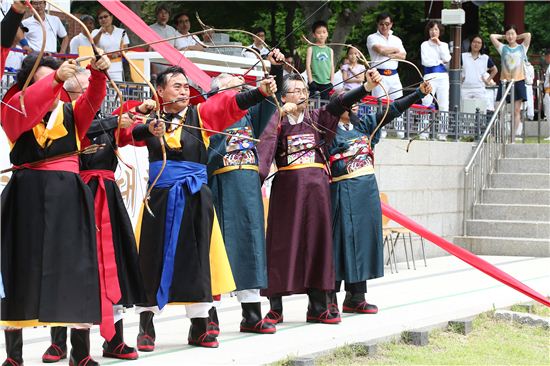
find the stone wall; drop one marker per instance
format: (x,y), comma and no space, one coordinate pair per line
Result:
(425,184)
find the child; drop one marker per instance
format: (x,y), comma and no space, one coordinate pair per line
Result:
(320,62)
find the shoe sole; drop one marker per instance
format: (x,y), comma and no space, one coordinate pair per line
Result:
(53,360)
(205,345)
(350,311)
(324,321)
(146,348)
(128,356)
(264,331)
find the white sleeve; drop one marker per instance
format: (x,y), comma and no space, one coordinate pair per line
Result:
(425,53)
(95,32)
(61,31)
(444,52)
(126,40)
(401,48)
(370,43)
(499,48)
(74,44)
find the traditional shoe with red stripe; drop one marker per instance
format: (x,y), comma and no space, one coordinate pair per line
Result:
(87,361)
(122,351)
(145,343)
(54,353)
(273,317)
(199,335)
(262,327)
(11,362)
(326,317)
(213,322)
(361,308)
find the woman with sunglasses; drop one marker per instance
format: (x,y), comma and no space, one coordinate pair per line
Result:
(111,38)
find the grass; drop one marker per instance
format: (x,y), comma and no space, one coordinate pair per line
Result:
(492,342)
(537,309)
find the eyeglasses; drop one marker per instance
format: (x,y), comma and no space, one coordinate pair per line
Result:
(103,17)
(386,24)
(298,91)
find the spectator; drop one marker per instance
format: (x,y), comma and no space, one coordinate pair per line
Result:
(435,54)
(81,39)
(183,25)
(111,38)
(320,62)
(162,28)
(289,59)
(381,46)
(257,45)
(513,57)
(352,67)
(478,71)
(54,30)
(546,98)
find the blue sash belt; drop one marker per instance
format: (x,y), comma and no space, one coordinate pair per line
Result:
(433,69)
(181,177)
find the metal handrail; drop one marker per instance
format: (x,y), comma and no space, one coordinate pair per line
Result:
(488,150)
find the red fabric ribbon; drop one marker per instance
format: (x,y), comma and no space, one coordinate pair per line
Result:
(173,56)
(108,275)
(69,164)
(463,254)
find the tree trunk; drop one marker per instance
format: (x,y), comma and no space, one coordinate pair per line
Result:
(290,8)
(273,20)
(135,6)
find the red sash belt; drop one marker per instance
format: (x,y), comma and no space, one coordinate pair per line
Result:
(68,164)
(108,275)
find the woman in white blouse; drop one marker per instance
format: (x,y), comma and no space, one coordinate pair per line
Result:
(110,38)
(435,54)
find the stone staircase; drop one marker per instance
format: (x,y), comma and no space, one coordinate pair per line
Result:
(514,215)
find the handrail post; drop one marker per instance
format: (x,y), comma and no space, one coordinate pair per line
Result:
(513,119)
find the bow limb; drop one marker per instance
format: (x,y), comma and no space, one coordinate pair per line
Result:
(161,139)
(38,58)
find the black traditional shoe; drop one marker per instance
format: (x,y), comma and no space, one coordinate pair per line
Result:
(146,335)
(318,310)
(116,348)
(360,308)
(199,336)
(252,320)
(80,351)
(14,347)
(58,349)
(333,304)
(213,323)
(275,314)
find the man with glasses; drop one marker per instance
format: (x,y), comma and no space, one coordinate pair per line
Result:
(299,228)
(183,25)
(54,29)
(383,45)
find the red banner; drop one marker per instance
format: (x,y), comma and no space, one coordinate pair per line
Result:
(138,26)
(463,254)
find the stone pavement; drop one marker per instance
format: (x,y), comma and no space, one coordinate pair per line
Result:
(446,289)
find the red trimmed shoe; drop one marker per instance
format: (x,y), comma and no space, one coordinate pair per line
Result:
(54,353)
(273,317)
(122,351)
(326,317)
(362,308)
(213,329)
(87,361)
(213,326)
(199,335)
(145,343)
(11,362)
(262,327)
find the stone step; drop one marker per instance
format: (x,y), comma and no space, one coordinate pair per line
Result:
(517,196)
(508,229)
(528,151)
(524,165)
(532,128)
(520,180)
(505,211)
(487,245)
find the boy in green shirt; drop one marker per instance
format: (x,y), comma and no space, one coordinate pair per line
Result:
(320,62)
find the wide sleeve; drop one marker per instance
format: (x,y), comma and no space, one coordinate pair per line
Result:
(220,111)
(267,146)
(39,98)
(126,136)
(9,27)
(89,103)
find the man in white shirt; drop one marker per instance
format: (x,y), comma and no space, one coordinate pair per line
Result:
(81,39)
(183,26)
(381,46)
(54,29)
(257,45)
